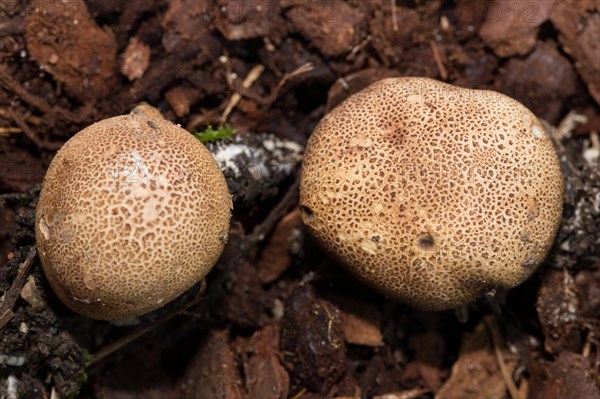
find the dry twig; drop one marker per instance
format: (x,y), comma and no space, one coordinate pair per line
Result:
(8,83)
(438,58)
(272,97)
(11,296)
(358,47)
(264,228)
(515,393)
(20,121)
(207,118)
(394,16)
(298,71)
(7,131)
(253,75)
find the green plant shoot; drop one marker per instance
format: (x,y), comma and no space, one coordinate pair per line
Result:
(210,135)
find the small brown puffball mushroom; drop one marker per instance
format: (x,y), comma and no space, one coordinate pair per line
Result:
(432,193)
(133,211)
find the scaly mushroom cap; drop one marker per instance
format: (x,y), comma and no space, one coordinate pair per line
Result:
(432,193)
(133,211)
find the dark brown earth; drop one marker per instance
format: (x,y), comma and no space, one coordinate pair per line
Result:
(276,318)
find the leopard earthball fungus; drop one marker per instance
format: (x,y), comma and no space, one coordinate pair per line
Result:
(133,211)
(432,193)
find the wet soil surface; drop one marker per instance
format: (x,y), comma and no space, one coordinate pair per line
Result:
(276,318)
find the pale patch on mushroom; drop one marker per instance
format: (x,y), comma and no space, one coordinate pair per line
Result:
(537,132)
(452,192)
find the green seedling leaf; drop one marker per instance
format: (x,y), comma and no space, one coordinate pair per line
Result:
(210,135)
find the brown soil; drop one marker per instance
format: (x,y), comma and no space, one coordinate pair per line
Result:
(276,318)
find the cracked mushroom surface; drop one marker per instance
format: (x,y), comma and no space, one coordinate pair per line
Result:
(432,193)
(133,212)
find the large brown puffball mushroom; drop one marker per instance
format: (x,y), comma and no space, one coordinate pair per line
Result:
(133,211)
(432,193)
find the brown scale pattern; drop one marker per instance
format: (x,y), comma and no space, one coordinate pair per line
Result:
(133,211)
(432,193)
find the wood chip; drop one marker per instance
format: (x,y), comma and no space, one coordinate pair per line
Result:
(136,59)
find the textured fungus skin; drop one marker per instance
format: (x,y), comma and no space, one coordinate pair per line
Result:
(432,193)
(133,211)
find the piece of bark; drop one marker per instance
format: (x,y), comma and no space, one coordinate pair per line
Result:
(332,26)
(67,43)
(213,372)
(361,321)
(543,81)
(476,373)
(579,33)
(570,376)
(413,27)
(31,294)
(265,377)
(247,19)
(246,303)
(135,59)
(275,256)
(428,349)
(558,309)
(511,26)
(180,99)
